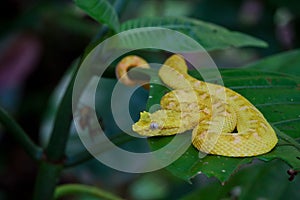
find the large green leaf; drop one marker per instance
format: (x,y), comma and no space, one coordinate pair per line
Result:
(288,62)
(100,10)
(210,36)
(260,181)
(275,95)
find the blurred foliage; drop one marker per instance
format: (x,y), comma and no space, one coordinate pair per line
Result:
(52,34)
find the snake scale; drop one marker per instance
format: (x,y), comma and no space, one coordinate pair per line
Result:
(222,121)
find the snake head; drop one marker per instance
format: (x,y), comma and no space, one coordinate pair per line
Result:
(146,125)
(161,122)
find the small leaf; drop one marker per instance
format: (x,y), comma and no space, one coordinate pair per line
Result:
(100,10)
(210,36)
(271,93)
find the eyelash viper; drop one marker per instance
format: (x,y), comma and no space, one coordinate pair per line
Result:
(223,121)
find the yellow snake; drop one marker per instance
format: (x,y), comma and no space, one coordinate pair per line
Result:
(223,122)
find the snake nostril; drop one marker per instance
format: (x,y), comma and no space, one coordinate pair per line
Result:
(234,130)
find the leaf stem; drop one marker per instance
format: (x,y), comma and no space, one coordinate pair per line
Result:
(34,151)
(75,189)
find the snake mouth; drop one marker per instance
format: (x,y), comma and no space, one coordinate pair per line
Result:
(153,130)
(162,132)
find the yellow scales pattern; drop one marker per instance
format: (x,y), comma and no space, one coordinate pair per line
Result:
(212,111)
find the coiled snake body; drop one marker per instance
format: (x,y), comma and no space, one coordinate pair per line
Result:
(223,122)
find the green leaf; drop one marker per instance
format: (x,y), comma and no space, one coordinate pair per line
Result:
(259,181)
(287,62)
(100,10)
(275,95)
(210,36)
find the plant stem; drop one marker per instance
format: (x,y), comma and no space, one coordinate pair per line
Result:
(75,189)
(20,135)
(56,147)
(50,168)
(46,180)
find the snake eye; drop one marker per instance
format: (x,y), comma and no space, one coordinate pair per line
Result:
(153,126)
